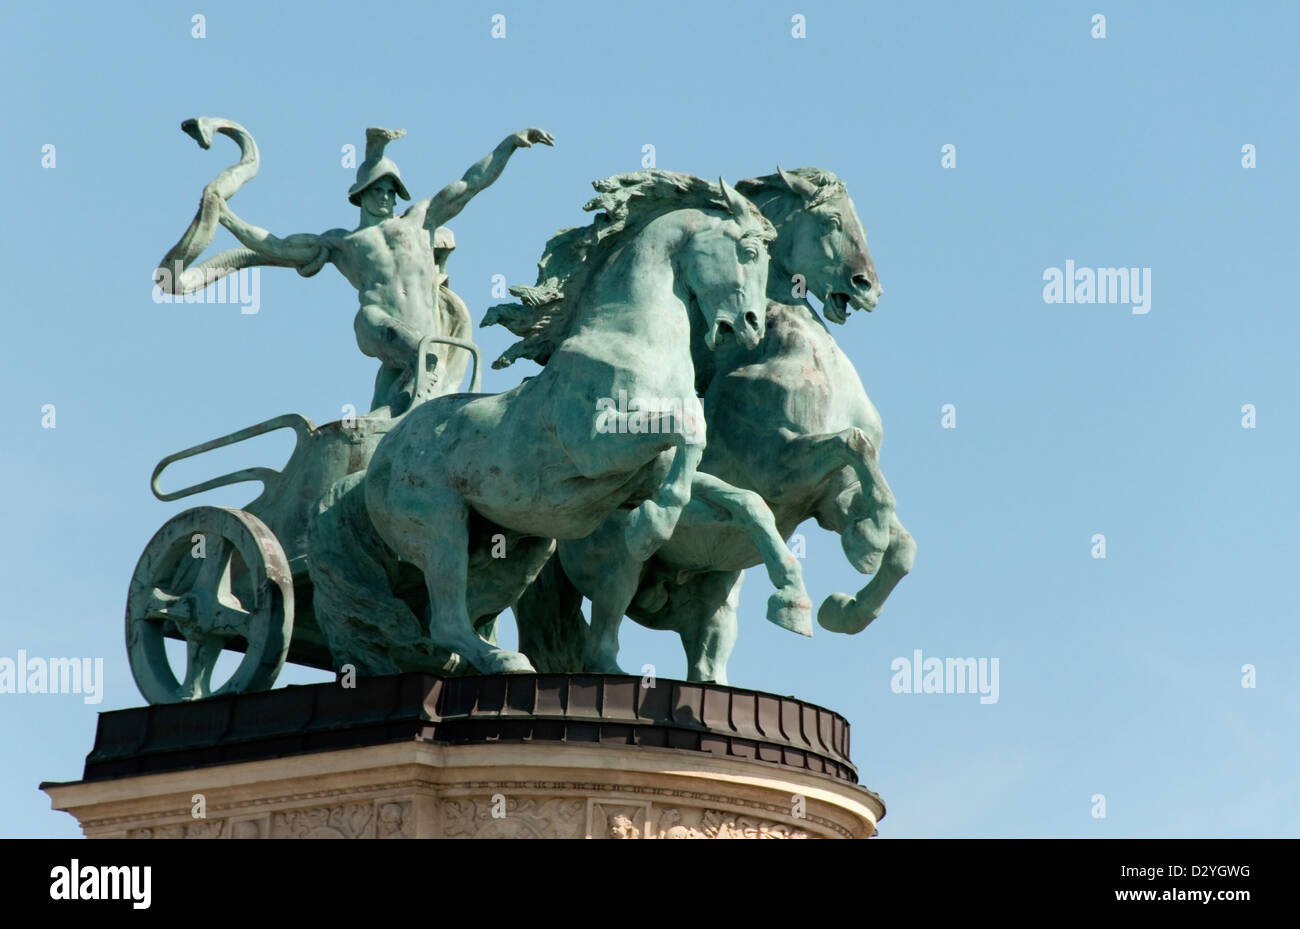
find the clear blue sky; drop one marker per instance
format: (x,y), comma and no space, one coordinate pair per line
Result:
(1119,677)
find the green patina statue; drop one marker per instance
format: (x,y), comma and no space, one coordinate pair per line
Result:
(790,428)
(396,262)
(691,411)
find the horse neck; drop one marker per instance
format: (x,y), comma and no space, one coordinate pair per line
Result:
(780,212)
(639,273)
(780,283)
(780,287)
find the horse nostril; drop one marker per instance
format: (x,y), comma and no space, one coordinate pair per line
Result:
(751,318)
(862,281)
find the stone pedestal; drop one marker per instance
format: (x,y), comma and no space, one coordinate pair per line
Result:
(518,756)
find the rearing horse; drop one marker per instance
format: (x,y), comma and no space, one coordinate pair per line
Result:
(789,421)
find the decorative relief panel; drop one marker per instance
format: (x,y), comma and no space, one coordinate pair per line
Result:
(615,819)
(686,823)
(501,817)
(198,829)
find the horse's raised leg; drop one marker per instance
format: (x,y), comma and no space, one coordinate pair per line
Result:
(862,512)
(653,521)
(860,515)
(789,606)
(842,613)
(616,443)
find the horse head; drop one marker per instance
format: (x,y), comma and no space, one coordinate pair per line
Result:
(819,237)
(724,265)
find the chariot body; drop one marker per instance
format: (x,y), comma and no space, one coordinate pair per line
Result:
(236,580)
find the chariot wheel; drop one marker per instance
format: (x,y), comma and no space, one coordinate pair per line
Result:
(218,578)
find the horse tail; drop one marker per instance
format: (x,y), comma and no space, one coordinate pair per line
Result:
(364,623)
(548,614)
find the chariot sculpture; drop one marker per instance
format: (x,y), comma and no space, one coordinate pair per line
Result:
(691,410)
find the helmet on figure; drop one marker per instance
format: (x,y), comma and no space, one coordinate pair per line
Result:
(377,165)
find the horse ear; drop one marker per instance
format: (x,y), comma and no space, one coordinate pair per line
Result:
(735,202)
(797,184)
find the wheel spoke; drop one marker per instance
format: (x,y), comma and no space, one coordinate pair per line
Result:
(216,565)
(161,605)
(228,621)
(200,660)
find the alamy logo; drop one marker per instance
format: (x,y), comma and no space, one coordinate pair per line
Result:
(651,416)
(1099,285)
(243,287)
(53,676)
(945,676)
(105,882)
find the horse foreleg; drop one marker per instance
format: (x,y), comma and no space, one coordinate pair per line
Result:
(789,606)
(617,444)
(861,515)
(843,613)
(653,521)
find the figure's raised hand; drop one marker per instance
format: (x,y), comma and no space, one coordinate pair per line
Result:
(526,137)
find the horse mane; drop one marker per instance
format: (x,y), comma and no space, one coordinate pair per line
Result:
(766,191)
(627,203)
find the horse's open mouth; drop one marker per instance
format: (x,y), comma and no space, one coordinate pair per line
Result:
(747,337)
(721,332)
(836,305)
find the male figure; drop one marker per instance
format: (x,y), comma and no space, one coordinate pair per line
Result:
(392,261)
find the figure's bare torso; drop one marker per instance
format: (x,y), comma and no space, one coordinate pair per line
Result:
(392,266)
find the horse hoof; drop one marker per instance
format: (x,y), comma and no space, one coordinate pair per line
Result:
(838,614)
(793,612)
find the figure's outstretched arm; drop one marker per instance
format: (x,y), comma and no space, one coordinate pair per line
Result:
(305,251)
(449,201)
